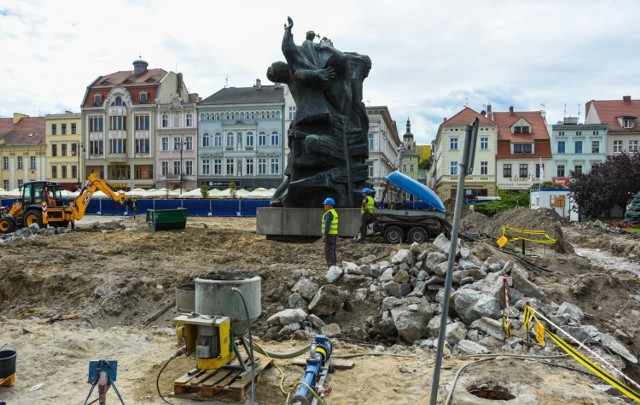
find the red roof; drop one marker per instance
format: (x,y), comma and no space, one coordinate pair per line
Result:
(610,110)
(148,81)
(539,135)
(466,117)
(27,131)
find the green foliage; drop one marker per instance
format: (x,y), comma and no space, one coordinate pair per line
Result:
(609,183)
(233,187)
(509,199)
(204,190)
(547,185)
(425,164)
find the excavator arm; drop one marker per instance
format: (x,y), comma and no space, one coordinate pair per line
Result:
(93,184)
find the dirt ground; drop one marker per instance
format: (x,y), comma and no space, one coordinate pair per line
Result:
(93,294)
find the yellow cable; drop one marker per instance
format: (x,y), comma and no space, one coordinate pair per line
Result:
(311,390)
(274,363)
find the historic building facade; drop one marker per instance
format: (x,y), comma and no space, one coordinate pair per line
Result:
(63,144)
(22,150)
(242,137)
(384,147)
(119,120)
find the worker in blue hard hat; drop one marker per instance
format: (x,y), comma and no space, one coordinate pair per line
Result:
(366,213)
(330,231)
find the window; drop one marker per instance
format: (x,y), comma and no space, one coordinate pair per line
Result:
(370,141)
(188,168)
(74,171)
(230,165)
(524,129)
(97,100)
(63,175)
(578,133)
(560,171)
(249,167)
(560,133)
(560,146)
(229,143)
(206,140)
(63,149)
(54,129)
(5,184)
(453,144)
(165,143)
(119,172)
(63,129)
(506,171)
(117,122)
(217,166)
(176,167)
(275,138)
(74,149)
(142,122)
(143,97)
(370,167)
(117,145)
(275,165)
(54,171)
(189,120)
(262,139)
(96,124)
(32,163)
(522,148)
(5,164)
(595,146)
(484,143)
(177,143)
(20,183)
(411,168)
(292,113)
(118,101)
(164,167)
(453,168)
(577,169)
(217,140)
(262,165)
(74,129)
(206,169)
(20,163)
(524,170)
(484,168)
(617,146)
(249,141)
(189,143)
(629,123)
(539,170)
(54,150)
(164,122)
(96,147)
(633,146)
(142,145)
(578,147)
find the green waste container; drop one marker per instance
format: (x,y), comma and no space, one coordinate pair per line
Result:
(164,220)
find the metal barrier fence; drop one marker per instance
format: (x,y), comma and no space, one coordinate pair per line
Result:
(195,207)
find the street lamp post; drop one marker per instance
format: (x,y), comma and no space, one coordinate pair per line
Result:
(181,148)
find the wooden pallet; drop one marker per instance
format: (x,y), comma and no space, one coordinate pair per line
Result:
(224,384)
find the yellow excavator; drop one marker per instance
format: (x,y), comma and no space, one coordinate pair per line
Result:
(41,203)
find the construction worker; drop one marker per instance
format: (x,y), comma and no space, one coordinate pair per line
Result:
(330,231)
(366,213)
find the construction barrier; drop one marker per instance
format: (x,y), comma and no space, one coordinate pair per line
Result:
(530,313)
(524,235)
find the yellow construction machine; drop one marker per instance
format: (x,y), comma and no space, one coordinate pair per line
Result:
(41,203)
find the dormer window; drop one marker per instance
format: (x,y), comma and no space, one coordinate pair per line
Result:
(629,122)
(143,97)
(525,148)
(97,100)
(521,129)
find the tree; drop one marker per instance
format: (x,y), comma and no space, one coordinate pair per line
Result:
(633,210)
(426,164)
(233,187)
(609,183)
(204,190)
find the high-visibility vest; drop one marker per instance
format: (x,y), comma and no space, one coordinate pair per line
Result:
(333,228)
(369,207)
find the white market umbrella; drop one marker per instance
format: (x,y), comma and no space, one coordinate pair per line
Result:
(136,193)
(195,193)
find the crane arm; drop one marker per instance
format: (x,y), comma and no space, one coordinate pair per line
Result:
(93,184)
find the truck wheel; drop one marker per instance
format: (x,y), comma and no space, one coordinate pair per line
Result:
(7,225)
(33,217)
(393,234)
(417,234)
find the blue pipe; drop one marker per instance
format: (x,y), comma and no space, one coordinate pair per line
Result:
(315,363)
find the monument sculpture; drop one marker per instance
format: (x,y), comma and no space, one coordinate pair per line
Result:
(328,137)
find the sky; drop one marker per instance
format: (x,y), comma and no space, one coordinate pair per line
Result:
(430,58)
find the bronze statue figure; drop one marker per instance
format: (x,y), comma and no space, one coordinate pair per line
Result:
(328,138)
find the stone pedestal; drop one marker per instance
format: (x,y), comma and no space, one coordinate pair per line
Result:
(280,221)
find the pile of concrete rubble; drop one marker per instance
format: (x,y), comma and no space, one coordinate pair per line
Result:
(408,288)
